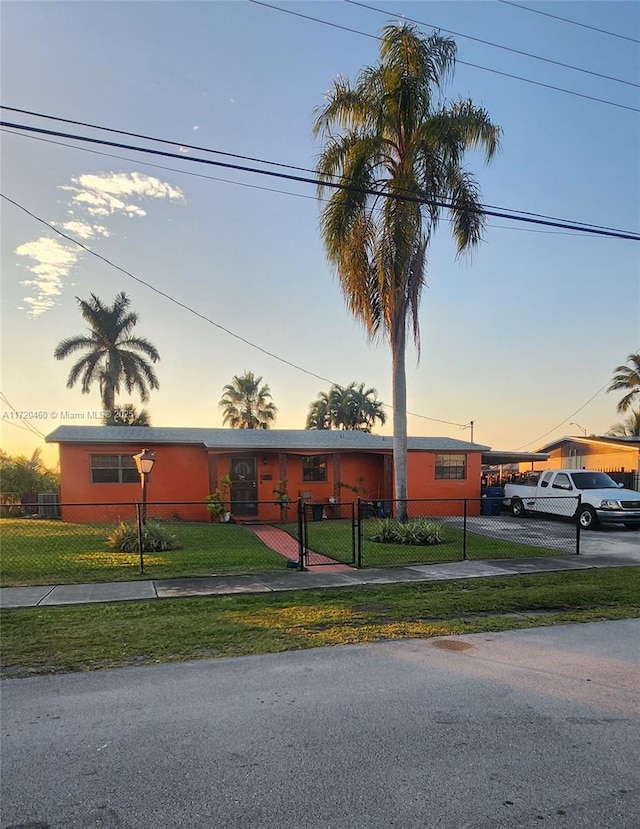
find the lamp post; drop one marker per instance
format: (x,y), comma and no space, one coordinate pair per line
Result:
(582,429)
(144,463)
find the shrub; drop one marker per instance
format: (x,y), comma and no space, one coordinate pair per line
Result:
(419,531)
(155,539)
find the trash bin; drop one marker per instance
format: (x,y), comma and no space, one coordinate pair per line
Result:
(491,500)
(317,511)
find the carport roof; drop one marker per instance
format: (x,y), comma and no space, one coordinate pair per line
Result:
(496,457)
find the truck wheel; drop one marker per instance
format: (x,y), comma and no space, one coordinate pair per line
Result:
(587,518)
(517,508)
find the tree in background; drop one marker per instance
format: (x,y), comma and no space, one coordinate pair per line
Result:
(21,476)
(629,428)
(114,357)
(627,378)
(351,407)
(127,415)
(400,148)
(246,404)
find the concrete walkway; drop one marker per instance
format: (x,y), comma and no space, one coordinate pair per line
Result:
(68,594)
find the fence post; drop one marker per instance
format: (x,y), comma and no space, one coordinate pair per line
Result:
(354,540)
(464,531)
(578,524)
(301,540)
(358,519)
(139,518)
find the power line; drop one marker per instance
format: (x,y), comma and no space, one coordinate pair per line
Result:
(462,62)
(582,227)
(244,183)
(197,313)
(268,162)
(568,417)
(566,20)
(495,45)
(28,425)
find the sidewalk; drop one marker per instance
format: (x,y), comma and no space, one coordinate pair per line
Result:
(122,591)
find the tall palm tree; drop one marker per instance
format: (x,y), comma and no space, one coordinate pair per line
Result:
(349,407)
(627,377)
(114,357)
(400,148)
(629,428)
(246,404)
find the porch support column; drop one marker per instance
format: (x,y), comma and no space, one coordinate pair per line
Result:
(213,472)
(336,476)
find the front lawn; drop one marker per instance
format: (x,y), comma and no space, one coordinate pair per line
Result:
(50,639)
(36,551)
(333,538)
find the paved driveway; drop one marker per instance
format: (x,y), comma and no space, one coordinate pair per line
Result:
(512,730)
(557,534)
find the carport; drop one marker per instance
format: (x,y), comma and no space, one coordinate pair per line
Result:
(500,467)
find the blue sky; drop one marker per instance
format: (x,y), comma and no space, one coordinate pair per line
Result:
(517,338)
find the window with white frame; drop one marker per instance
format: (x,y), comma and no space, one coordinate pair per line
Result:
(113,469)
(451,467)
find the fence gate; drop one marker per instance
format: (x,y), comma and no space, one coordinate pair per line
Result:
(327,534)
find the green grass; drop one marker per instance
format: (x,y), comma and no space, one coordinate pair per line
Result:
(37,551)
(46,640)
(333,539)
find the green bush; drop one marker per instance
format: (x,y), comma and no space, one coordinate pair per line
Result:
(155,539)
(419,531)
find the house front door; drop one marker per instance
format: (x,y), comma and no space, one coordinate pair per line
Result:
(243,486)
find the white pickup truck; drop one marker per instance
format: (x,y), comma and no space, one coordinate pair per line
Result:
(590,497)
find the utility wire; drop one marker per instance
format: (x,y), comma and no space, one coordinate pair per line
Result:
(28,425)
(566,20)
(137,162)
(501,214)
(562,422)
(462,62)
(197,313)
(268,162)
(494,45)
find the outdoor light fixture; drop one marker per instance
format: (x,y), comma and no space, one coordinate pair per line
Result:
(582,429)
(144,463)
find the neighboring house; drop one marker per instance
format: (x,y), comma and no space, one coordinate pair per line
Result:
(619,456)
(321,466)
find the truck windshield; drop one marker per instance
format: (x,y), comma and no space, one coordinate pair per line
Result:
(593,480)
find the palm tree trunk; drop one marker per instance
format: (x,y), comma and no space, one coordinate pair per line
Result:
(399,392)
(108,399)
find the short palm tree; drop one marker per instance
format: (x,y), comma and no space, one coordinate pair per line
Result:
(400,148)
(127,415)
(114,357)
(629,428)
(351,407)
(246,404)
(627,377)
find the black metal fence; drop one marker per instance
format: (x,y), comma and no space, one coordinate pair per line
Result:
(102,542)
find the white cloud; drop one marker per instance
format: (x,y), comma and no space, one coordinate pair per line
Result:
(102,194)
(83,230)
(53,262)
(106,194)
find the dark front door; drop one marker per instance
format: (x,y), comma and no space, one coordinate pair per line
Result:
(243,486)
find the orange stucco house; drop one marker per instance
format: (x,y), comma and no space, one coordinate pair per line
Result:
(321,466)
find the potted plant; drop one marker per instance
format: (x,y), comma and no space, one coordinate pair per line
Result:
(216,502)
(280,490)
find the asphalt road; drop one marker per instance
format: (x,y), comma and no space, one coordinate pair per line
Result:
(535,728)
